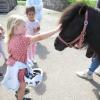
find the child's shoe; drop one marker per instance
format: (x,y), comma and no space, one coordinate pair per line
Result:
(1,75)
(27,98)
(30,63)
(35,59)
(97,71)
(26,92)
(85,74)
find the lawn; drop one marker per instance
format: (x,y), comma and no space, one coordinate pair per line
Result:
(89,2)
(21,2)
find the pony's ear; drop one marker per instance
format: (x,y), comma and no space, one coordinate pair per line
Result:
(82,10)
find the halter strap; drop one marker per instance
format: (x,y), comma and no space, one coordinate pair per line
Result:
(79,40)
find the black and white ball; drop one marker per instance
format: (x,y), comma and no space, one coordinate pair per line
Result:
(35,78)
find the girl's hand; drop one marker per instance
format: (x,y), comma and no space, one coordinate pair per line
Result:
(58,28)
(45,35)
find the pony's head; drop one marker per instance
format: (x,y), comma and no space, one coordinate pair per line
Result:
(72,21)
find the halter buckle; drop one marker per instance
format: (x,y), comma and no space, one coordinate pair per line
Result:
(85,22)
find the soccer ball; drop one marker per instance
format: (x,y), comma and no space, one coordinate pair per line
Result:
(35,78)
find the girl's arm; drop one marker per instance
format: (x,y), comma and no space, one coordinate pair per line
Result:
(45,35)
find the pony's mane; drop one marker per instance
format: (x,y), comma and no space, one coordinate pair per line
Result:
(70,11)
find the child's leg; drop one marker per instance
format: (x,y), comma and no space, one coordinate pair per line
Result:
(88,74)
(34,53)
(95,63)
(29,53)
(30,56)
(22,86)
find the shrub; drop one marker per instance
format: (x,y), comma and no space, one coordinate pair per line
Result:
(88,2)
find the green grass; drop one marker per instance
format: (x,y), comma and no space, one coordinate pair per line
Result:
(21,2)
(88,2)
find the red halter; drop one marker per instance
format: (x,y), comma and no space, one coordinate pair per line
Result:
(77,42)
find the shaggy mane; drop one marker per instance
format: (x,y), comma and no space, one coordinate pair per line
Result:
(71,11)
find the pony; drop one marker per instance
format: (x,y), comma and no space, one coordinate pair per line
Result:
(80,27)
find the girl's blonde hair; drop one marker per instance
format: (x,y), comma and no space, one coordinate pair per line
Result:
(13,21)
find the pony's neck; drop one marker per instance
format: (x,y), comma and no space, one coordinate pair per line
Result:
(93,19)
(93,28)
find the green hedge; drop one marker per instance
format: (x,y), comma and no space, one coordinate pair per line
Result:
(21,2)
(88,2)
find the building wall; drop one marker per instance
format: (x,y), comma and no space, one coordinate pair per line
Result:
(7,5)
(55,4)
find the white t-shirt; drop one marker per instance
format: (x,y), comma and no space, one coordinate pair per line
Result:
(31,26)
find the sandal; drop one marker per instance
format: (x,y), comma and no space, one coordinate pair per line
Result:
(27,98)
(26,92)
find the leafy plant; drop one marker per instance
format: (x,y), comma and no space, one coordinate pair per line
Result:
(21,2)
(88,2)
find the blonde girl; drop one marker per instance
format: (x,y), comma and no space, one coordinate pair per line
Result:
(18,43)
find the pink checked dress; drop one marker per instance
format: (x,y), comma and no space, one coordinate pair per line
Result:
(17,49)
(16,62)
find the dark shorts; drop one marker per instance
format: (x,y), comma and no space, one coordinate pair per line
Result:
(21,74)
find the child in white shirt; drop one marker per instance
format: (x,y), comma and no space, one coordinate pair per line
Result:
(38,4)
(33,28)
